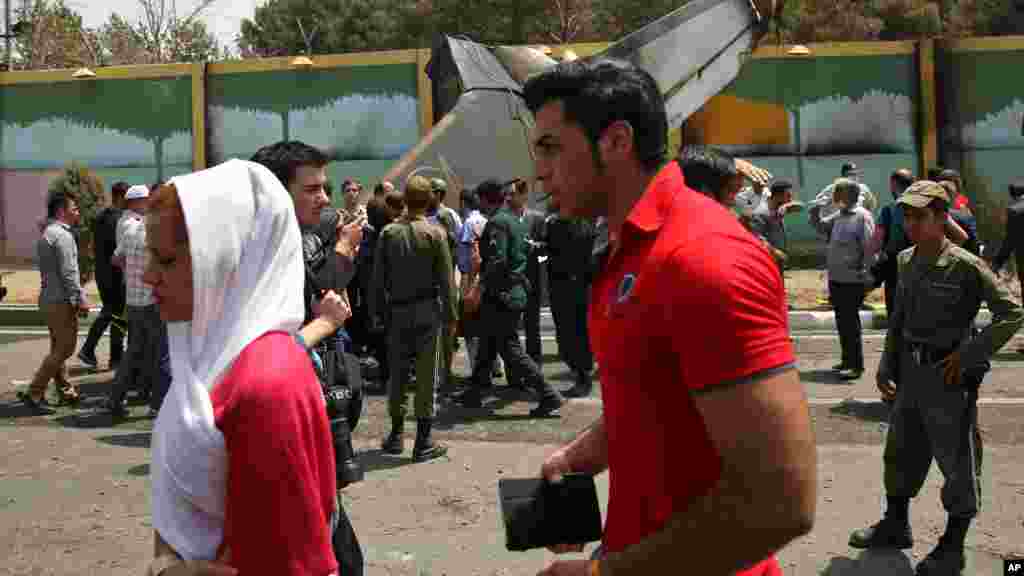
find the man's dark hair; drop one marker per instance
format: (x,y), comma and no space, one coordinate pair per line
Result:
(934,172)
(1017,188)
(56,200)
(939,206)
(780,186)
(395,200)
(284,158)
(903,178)
(118,190)
(707,170)
(378,190)
(470,200)
(491,191)
(949,175)
(595,94)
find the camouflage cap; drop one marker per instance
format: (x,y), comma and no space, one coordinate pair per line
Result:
(921,193)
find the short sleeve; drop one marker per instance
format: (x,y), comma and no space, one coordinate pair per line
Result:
(280,462)
(733,323)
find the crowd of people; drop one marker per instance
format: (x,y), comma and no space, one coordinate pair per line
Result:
(253,306)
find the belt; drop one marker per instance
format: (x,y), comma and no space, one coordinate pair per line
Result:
(926,354)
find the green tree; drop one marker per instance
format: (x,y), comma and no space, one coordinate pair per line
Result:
(54,37)
(285,27)
(88,187)
(614,19)
(168,36)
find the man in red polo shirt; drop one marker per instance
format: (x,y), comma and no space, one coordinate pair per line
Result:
(706,432)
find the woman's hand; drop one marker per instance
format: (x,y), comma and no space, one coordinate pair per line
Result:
(334,308)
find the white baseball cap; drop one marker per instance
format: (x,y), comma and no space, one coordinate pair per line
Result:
(137,192)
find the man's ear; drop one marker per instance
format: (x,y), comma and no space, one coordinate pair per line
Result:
(617,139)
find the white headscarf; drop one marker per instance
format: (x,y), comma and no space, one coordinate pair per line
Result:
(247,279)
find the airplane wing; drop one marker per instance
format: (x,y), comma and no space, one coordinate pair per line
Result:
(693,53)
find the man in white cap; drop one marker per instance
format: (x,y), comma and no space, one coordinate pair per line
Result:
(141,366)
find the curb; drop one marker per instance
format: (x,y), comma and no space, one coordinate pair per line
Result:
(870,320)
(799,320)
(29,315)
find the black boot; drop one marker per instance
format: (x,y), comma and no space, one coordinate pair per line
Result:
(892,532)
(394,443)
(347,469)
(584,385)
(425,447)
(947,558)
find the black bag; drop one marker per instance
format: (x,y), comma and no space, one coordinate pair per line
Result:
(346,546)
(343,386)
(538,513)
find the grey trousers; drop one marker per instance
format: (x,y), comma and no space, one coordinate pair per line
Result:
(145,365)
(931,420)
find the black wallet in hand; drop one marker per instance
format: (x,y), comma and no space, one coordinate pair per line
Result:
(538,513)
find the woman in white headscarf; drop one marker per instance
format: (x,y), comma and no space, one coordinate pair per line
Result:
(243,465)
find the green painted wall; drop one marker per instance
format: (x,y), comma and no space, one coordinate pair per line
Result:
(132,127)
(368,114)
(982,128)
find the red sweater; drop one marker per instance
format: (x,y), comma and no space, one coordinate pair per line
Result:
(281,482)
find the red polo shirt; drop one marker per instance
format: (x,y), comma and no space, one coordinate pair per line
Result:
(687,299)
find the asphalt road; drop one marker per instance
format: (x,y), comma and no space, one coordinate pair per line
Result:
(74,486)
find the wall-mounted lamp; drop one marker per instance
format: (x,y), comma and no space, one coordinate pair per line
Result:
(799,50)
(302,62)
(83,73)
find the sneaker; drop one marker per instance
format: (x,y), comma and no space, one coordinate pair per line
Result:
(118,410)
(88,359)
(37,407)
(548,407)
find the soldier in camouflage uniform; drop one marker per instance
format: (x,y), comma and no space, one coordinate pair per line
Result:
(931,355)
(413,284)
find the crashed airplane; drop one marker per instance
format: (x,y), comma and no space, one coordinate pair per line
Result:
(693,53)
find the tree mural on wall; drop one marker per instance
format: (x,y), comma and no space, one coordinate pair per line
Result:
(828,87)
(151,109)
(282,93)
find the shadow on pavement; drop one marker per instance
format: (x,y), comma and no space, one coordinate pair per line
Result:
(375,460)
(868,411)
(822,377)
(1009,356)
(96,418)
(133,440)
(453,413)
(870,563)
(140,470)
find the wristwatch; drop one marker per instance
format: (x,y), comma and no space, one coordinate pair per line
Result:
(162,563)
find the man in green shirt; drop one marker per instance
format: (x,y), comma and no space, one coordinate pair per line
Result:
(413,285)
(505,287)
(928,368)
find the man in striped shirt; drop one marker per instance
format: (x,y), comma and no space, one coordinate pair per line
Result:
(146,363)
